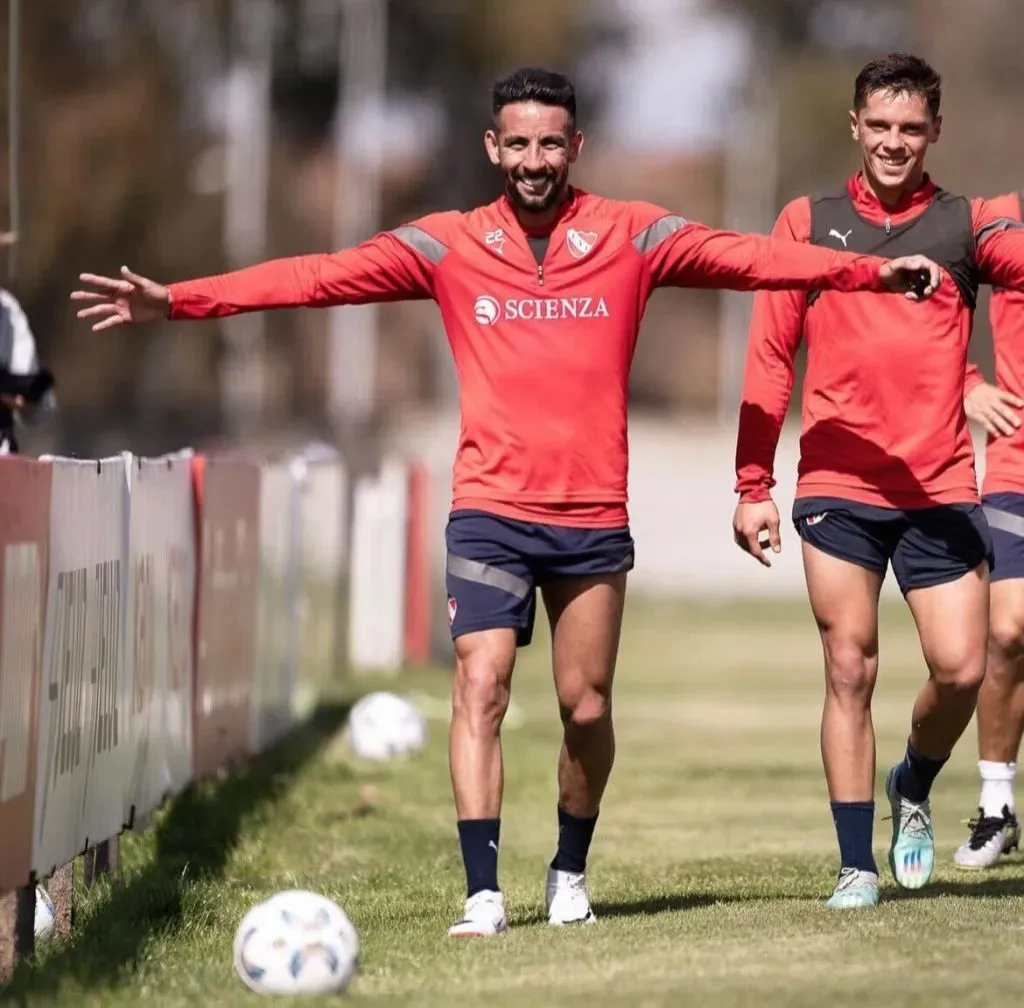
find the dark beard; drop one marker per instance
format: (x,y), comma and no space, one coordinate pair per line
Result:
(552,199)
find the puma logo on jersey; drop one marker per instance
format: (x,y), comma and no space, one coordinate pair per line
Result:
(842,237)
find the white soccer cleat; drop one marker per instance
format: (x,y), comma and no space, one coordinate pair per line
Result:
(991,837)
(568,899)
(483,916)
(854,889)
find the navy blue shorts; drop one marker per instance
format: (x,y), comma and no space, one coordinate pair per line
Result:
(926,547)
(495,566)
(1005,515)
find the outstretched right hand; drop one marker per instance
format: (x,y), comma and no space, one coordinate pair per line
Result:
(750,522)
(132,298)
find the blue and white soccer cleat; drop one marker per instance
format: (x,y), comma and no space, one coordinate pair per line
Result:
(854,889)
(912,852)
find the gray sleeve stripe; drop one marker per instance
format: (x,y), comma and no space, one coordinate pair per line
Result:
(1005,521)
(481,573)
(1002,224)
(651,237)
(427,245)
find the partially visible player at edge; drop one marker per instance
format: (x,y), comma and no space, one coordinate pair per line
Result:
(995,831)
(541,294)
(886,469)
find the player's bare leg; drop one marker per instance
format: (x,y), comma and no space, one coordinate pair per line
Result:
(484,661)
(1000,726)
(586,622)
(952,622)
(844,600)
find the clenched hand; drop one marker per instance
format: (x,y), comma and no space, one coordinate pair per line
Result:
(915,276)
(751,522)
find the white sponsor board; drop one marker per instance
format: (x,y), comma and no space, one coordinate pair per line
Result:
(84,742)
(276,649)
(159,627)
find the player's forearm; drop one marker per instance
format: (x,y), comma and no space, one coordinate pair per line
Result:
(279,283)
(757,440)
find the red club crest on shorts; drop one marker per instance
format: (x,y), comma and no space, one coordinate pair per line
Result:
(453,607)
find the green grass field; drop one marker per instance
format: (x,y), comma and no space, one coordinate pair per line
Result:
(713,854)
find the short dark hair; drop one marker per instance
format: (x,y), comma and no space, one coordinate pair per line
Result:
(899,73)
(533,84)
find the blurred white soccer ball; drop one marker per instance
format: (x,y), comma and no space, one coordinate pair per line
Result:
(382,726)
(45,919)
(296,942)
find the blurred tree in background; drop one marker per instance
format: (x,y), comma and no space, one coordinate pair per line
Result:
(122,159)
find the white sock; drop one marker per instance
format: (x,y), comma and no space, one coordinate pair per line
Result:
(996,787)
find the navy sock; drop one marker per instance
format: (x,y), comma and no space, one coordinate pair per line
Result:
(854,824)
(574,836)
(478,839)
(916,774)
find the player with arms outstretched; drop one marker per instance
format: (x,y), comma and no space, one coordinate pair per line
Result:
(886,471)
(541,293)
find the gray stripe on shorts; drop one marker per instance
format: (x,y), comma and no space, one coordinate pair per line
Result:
(1005,521)
(481,573)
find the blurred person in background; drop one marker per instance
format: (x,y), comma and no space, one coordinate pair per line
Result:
(886,471)
(541,293)
(26,388)
(995,831)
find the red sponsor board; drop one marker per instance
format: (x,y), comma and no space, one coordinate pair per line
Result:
(228,526)
(24,546)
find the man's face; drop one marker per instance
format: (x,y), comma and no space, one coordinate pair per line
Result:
(894,133)
(534,145)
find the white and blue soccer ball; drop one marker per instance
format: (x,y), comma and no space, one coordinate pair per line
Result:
(45,918)
(296,942)
(383,726)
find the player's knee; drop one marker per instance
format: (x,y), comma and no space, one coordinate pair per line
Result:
(480,693)
(960,671)
(849,672)
(1006,634)
(585,708)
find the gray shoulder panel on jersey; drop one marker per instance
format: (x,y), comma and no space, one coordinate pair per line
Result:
(654,234)
(426,244)
(999,224)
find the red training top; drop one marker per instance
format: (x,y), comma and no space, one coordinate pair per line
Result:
(542,352)
(1004,456)
(883,416)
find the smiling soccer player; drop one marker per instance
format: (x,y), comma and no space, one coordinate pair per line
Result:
(886,471)
(541,293)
